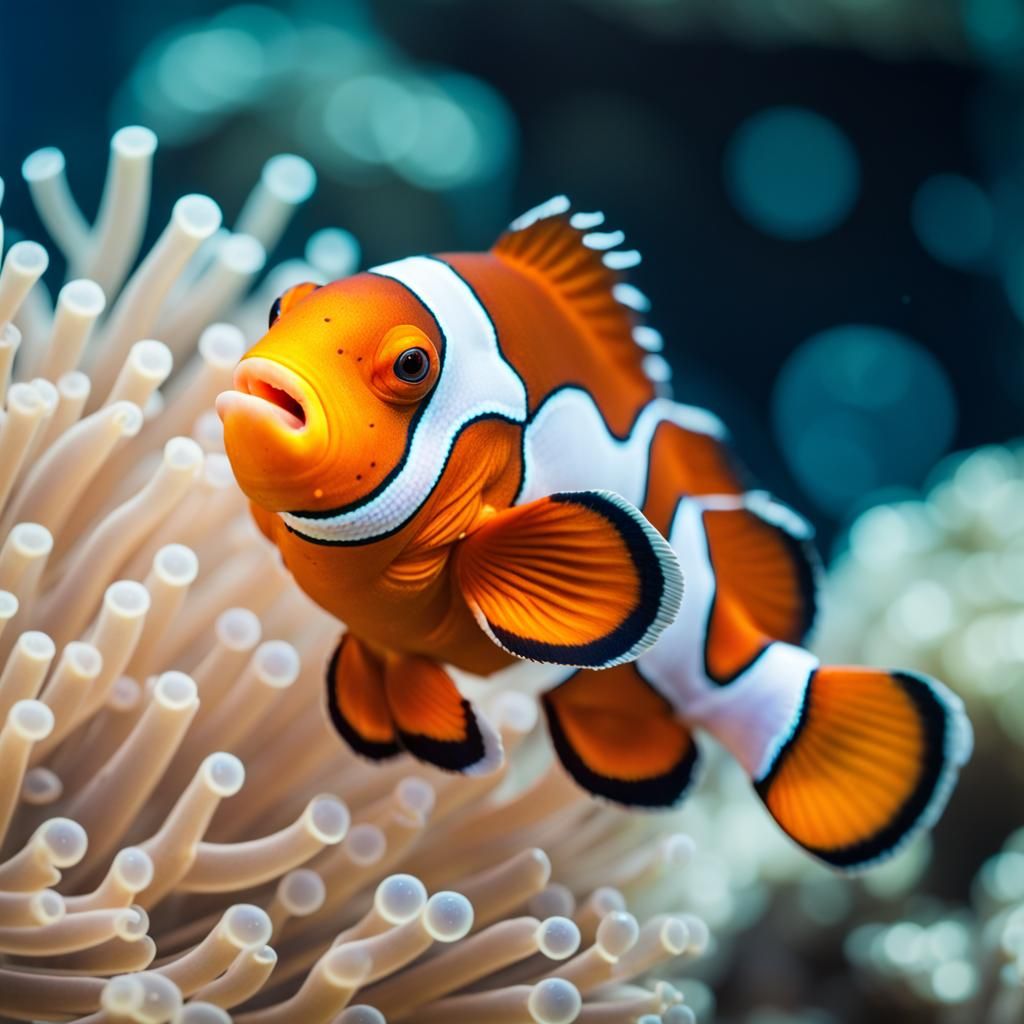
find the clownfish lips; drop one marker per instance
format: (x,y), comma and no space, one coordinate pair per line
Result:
(276,434)
(264,388)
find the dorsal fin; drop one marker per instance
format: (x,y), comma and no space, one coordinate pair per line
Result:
(583,266)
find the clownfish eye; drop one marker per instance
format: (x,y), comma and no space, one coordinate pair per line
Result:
(275,312)
(412,366)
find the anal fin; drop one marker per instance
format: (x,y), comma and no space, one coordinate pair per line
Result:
(387,704)
(619,738)
(435,723)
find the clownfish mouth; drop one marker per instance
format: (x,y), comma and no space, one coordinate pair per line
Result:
(279,392)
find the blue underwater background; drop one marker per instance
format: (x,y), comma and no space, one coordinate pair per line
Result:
(829,213)
(829,199)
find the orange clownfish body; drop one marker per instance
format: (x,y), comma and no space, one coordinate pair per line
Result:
(470,459)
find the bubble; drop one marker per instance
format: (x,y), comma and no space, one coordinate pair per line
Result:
(859,407)
(953,219)
(791,173)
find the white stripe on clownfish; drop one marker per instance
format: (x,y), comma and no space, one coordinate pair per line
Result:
(753,715)
(567,446)
(476,381)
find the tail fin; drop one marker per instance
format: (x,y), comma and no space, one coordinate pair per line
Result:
(870,761)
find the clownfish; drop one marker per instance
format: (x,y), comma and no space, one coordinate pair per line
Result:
(471,459)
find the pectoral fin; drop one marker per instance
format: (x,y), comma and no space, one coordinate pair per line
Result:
(578,578)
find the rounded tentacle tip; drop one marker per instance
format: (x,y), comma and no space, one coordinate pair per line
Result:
(64,842)
(126,598)
(197,216)
(28,258)
(448,916)
(9,605)
(131,924)
(36,646)
(554,1001)
(289,178)
(554,900)
(123,996)
(42,165)
(677,850)
(133,869)
(239,629)
(83,298)
(134,141)
(31,720)
(176,565)
(126,418)
(183,455)
(84,660)
(277,664)
(242,254)
(302,892)
(400,898)
(514,712)
(365,844)
(175,691)
(222,345)
(700,934)
(674,936)
(162,999)
(264,954)
(246,925)
(47,907)
(416,794)
(31,540)
(558,938)
(223,773)
(328,819)
(362,1014)
(617,934)
(197,1012)
(605,900)
(41,786)
(152,359)
(679,1015)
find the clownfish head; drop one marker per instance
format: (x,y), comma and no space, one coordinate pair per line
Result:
(324,404)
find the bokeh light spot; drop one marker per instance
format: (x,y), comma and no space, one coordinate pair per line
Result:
(953,220)
(858,408)
(792,173)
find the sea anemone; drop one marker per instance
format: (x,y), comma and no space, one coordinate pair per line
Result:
(937,584)
(158,663)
